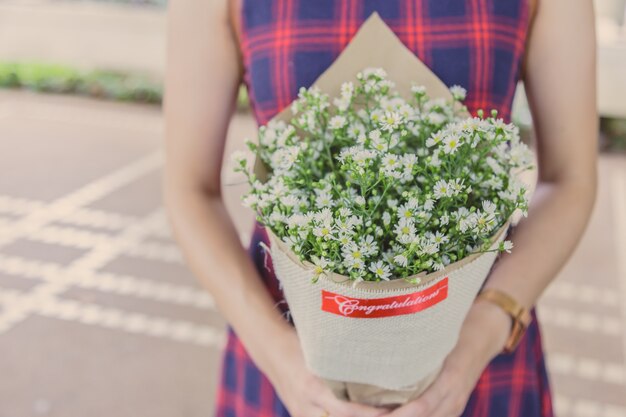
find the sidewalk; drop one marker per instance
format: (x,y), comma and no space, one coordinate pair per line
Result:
(99,316)
(84,34)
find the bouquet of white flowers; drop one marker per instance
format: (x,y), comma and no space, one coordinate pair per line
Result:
(385,212)
(375,188)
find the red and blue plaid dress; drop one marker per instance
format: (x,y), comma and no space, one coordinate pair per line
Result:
(478,44)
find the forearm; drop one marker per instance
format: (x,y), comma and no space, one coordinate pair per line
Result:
(543,242)
(214,253)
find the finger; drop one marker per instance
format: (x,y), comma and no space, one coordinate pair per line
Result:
(432,398)
(452,404)
(426,404)
(340,408)
(447,408)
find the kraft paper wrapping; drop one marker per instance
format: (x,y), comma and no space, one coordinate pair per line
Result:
(382,361)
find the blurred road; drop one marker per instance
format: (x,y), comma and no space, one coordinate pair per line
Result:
(99,317)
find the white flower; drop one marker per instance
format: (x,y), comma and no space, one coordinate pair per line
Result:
(359,200)
(381,270)
(450,144)
(434,139)
(356,130)
(374,135)
(407,211)
(324,231)
(378,143)
(324,216)
(467,222)
(250,200)
(345,211)
(264,201)
(362,156)
(337,122)
(321,265)
(439,238)
(458,92)
(324,200)
(494,165)
(372,72)
(444,220)
(429,204)
(484,221)
(297,220)
(442,189)
(418,89)
(292,242)
(289,200)
(507,245)
(353,255)
(390,121)
(344,238)
(342,103)
(520,155)
(494,183)
(284,158)
(400,260)
(405,231)
(284,136)
(436,118)
(368,246)
(347,225)
(456,186)
(409,160)
(277,217)
(430,248)
(489,207)
(435,161)
(438,266)
(386,218)
(239,158)
(390,162)
(347,89)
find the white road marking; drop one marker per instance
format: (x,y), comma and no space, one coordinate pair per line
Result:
(580,320)
(43,215)
(618,195)
(581,407)
(93,314)
(582,293)
(107,282)
(586,368)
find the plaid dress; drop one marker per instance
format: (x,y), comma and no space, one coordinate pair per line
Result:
(478,44)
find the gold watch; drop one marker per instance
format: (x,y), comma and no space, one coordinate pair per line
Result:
(519,314)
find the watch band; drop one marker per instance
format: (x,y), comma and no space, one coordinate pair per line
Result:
(519,314)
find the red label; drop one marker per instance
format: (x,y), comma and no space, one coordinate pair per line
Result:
(385,307)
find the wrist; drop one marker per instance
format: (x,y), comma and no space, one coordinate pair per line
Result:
(489,328)
(281,354)
(269,343)
(498,322)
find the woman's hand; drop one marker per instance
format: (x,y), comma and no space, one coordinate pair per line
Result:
(483,336)
(304,394)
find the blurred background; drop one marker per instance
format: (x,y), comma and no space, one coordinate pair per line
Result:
(98,314)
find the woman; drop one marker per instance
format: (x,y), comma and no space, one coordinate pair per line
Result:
(276,46)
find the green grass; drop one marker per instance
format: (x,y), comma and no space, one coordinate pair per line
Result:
(104,84)
(615,133)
